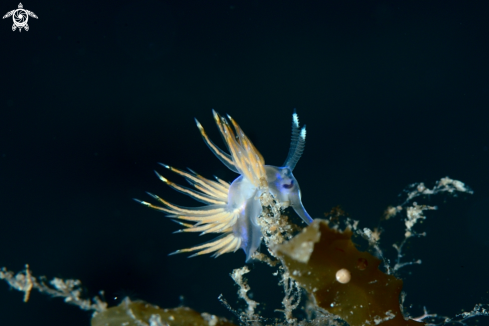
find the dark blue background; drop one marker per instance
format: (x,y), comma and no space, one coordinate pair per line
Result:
(95,94)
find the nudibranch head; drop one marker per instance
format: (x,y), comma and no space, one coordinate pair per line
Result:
(234,209)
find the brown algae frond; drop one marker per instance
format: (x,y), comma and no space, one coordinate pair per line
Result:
(343,280)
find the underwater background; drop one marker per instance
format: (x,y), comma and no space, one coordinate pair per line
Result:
(96,93)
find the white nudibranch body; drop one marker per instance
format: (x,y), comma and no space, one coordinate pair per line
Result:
(234,209)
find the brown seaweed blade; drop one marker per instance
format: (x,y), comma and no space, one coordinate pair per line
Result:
(137,313)
(368,297)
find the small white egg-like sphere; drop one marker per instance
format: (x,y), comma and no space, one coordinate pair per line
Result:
(343,276)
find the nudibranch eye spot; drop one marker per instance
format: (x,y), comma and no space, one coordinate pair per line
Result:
(289,185)
(343,276)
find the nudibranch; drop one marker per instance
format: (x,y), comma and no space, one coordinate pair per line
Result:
(234,209)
